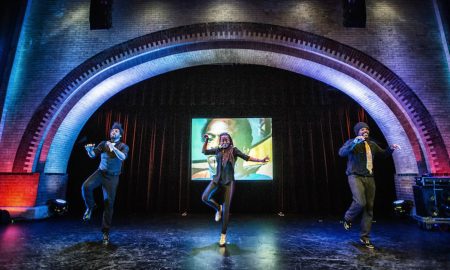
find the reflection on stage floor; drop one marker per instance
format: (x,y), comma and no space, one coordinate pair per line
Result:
(191,242)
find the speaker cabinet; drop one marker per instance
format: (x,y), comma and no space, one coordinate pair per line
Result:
(432,201)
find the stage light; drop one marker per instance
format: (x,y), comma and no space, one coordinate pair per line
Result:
(57,207)
(402,207)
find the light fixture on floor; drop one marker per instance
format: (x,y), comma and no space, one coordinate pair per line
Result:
(402,207)
(57,207)
(5,218)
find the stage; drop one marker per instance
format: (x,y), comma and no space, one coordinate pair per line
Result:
(190,242)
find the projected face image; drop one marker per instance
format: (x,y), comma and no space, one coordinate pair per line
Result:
(239,129)
(213,129)
(247,134)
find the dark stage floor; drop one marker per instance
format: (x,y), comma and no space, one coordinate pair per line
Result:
(255,242)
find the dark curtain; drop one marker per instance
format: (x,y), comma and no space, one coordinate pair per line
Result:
(311,121)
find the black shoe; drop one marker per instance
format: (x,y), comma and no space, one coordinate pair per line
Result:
(347,225)
(366,242)
(105,238)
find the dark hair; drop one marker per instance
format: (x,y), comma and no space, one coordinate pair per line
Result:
(117,125)
(226,134)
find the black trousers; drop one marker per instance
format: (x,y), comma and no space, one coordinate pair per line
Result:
(109,186)
(228,191)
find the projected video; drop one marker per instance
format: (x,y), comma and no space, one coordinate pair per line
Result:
(253,136)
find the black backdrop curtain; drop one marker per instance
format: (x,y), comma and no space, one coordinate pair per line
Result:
(311,121)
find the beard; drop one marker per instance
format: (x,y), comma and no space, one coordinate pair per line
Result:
(114,138)
(366,135)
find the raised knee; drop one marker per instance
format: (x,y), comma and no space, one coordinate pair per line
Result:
(85,187)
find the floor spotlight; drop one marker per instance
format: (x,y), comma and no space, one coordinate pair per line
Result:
(402,207)
(57,207)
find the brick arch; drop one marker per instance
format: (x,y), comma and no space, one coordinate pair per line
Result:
(281,47)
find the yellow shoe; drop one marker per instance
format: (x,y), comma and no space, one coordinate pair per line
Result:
(222,240)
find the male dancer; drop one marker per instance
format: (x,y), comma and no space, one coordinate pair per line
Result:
(226,155)
(112,153)
(360,152)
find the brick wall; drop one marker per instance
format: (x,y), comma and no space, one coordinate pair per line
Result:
(403,186)
(18,189)
(401,34)
(51,186)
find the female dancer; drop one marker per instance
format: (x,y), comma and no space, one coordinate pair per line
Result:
(226,155)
